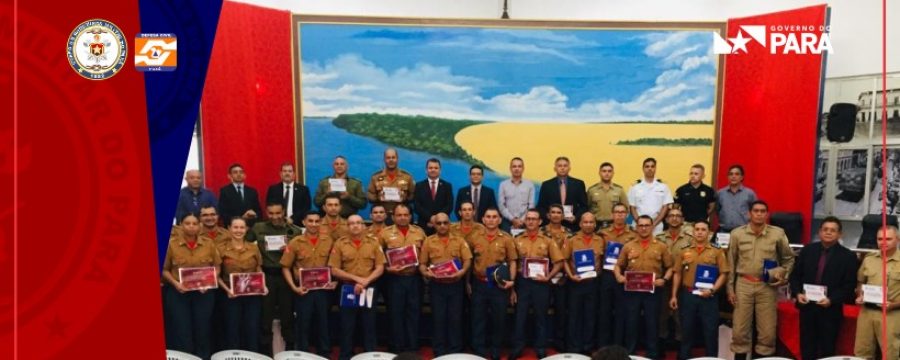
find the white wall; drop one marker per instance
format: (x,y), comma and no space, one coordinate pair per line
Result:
(855,24)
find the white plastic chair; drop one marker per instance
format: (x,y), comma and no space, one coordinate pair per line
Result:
(373,355)
(238,355)
(567,356)
(297,355)
(178,355)
(459,356)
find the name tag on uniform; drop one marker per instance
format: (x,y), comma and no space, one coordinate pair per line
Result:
(275,242)
(391,194)
(337,185)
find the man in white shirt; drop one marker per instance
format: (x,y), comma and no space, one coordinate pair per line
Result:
(649,196)
(516,196)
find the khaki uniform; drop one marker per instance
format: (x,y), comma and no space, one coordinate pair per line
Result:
(699,316)
(489,251)
(687,259)
(401,180)
(219,235)
(538,247)
(436,250)
(623,236)
(179,255)
(466,231)
(559,236)
(391,238)
(333,228)
(745,256)
(243,260)
(654,257)
(305,252)
(357,259)
(375,229)
(349,206)
(601,200)
(578,242)
(868,325)
(675,244)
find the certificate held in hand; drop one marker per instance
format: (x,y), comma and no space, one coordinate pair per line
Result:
(445,269)
(404,256)
(337,185)
(315,278)
(585,265)
(533,268)
(245,284)
(705,278)
(198,278)
(612,255)
(641,281)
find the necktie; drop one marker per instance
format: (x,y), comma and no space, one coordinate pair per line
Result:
(562,191)
(475,198)
(288,201)
(241,191)
(433,190)
(820,269)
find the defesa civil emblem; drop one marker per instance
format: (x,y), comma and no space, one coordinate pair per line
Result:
(96,49)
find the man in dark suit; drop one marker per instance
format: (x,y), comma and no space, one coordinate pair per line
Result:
(432,195)
(481,197)
(237,199)
(565,190)
(827,264)
(292,196)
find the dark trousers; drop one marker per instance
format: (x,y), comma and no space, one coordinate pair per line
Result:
(404,305)
(487,300)
(446,312)
(241,322)
(610,311)
(191,315)
(698,316)
(277,304)
(560,313)
(536,295)
(349,316)
(649,303)
(819,329)
(582,315)
(313,305)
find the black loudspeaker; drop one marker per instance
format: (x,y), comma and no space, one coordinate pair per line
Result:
(791,222)
(870,225)
(841,122)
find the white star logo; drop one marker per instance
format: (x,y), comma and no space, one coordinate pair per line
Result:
(740,42)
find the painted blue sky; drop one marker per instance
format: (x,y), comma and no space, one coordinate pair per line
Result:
(507,74)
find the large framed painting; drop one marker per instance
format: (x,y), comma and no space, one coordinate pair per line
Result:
(485,91)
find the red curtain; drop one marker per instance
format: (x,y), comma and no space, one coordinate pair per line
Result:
(247,107)
(770,116)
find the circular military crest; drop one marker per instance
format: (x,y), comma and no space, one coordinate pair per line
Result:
(96,49)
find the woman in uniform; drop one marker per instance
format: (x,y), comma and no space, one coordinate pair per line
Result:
(242,313)
(190,310)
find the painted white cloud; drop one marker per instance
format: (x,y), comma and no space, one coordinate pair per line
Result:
(352,84)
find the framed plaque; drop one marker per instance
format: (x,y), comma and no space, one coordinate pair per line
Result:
(198,278)
(245,284)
